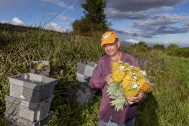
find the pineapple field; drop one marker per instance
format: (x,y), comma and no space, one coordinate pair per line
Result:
(166,105)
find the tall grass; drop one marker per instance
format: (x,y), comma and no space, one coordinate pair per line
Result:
(167,105)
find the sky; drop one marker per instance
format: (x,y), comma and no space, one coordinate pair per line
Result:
(151,21)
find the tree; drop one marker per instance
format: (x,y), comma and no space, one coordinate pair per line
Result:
(141,46)
(94,20)
(173,46)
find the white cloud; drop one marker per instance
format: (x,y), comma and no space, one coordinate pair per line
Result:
(53,26)
(17,21)
(4,21)
(58,3)
(132,40)
(166,42)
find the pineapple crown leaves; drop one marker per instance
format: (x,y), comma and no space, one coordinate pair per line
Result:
(118,103)
(122,68)
(41,64)
(120,61)
(116,93)
(115,90)
(135,85)
(134,77)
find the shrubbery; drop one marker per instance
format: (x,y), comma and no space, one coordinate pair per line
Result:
(141,46)
(159,47)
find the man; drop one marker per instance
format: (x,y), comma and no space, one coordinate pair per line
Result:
(102,77)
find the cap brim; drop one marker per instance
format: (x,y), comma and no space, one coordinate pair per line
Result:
(107,42)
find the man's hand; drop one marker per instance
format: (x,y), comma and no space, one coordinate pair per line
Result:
(108,79)
(138,98)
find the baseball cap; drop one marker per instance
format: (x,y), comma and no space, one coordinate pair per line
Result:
(108,38)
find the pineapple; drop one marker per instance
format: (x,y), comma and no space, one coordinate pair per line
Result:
(133,92)
(128,82)
(125,82)
(35,67)
(116,64)
(118,71)
(61,75)
(24,68)
(136,68)
(40,66)
(145,87)
(130,86)
(140,75)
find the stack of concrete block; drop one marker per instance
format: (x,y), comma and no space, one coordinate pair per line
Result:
(30,99)
(84,72)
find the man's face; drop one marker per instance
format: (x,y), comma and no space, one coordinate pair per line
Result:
(111,49)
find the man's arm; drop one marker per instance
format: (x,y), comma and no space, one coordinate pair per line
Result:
(97,80)
(139,98)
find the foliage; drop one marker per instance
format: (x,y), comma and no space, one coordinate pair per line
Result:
(94,20)
(173,46)
(158,47)
(141,46)
(181,52)
(168,101)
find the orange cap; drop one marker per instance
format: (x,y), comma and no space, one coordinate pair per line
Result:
(108,38)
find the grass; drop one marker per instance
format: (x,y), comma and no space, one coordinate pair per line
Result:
(182,52)
(167,105)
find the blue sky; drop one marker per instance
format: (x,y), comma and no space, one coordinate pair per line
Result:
(151,21)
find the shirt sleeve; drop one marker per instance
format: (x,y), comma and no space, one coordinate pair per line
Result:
(97,79)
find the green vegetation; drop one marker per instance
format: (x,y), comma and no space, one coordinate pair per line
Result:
(173,46)
(94,20)
(167,105)
(181,52)
(141,46)
(158,47)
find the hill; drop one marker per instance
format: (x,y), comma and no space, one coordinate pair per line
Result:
(167,105)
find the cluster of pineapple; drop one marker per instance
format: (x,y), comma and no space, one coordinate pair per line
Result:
(128,82)
(40,66)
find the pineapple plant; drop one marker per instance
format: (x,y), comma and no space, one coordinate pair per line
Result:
(128,82)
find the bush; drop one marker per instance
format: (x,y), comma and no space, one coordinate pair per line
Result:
(173,46)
